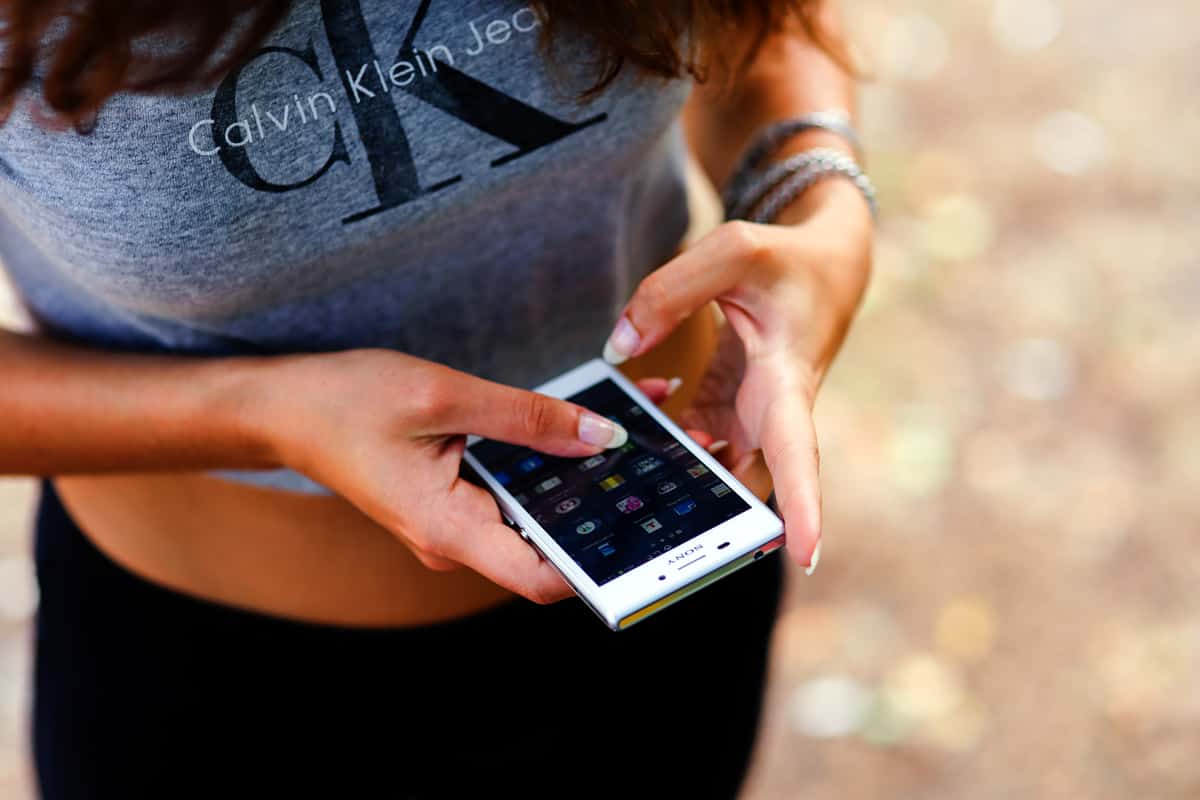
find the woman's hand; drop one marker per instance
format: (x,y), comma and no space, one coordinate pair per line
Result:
(788,293)
(387,431)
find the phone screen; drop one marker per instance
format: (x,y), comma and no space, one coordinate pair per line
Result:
(615,511)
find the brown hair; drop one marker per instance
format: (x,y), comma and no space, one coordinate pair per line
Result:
(89,50)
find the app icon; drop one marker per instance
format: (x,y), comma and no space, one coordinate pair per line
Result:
(606,549)
(629,504)
(611,482)
(530,464)
(522,498)
(666,487)
(675,450)
(650,525)
(586,527)
(685,506)
(568,505)
(591,463)
(720,489)
(697,470)
(503,478)
(547,485)
(628,447)
(635,411)
(646,464)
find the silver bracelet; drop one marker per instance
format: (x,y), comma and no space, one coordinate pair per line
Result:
(790,188)
(836,121)
(757,184)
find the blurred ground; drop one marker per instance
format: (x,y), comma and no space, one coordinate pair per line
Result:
(1008,602)
(1008,605)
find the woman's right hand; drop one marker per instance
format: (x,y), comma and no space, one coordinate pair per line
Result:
(387,432)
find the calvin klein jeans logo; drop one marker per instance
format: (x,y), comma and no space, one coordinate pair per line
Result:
(431,76)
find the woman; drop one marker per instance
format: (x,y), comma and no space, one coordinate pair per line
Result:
(282,257)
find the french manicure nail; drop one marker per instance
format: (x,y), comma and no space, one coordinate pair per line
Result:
(816,559)
(622,343)
(601,432)
(673,385)
(745,462)
(718,446)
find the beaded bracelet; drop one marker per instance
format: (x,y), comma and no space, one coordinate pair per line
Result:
(836,121)
(785,192)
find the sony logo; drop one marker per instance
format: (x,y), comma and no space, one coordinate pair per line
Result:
(691,551)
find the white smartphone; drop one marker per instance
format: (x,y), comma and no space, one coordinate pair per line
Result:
(633,529)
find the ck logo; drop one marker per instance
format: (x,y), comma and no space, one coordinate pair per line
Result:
(438,83)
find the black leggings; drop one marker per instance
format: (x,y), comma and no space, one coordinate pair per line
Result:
(141,691)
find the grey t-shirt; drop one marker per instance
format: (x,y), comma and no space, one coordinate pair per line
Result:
(405,174)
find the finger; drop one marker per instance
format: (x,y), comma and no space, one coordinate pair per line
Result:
(672,293)
(790,450)
(435,563)
(752,471)
(461,403)
(654,388)
(497,552)
(659,389)
(716,446)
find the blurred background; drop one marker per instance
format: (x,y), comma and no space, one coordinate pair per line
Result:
(1008,603)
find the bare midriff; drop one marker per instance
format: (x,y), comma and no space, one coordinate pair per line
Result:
(312,558)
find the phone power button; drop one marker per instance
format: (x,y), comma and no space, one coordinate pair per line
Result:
(515,527)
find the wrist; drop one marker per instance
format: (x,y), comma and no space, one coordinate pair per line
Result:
(812,139)
(831,229)
(249,399)
(837,198)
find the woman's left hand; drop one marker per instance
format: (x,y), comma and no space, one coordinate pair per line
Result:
(788,292)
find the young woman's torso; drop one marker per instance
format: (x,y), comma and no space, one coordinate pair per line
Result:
(413,175)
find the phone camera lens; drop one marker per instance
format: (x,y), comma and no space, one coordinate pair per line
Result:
(662,577)
(758,555)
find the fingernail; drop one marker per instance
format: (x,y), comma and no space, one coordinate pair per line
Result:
(622,343)
(601,432)
(673,385)
(816,559)
(745,462)
(718,446)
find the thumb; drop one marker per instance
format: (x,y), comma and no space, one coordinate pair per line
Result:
(676,290)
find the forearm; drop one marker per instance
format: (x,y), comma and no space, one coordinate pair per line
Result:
(790,75)
(66,409)
(829,227)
